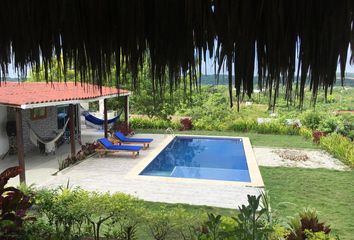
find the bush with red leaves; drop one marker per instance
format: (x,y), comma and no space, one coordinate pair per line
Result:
(186,124)
(316,136)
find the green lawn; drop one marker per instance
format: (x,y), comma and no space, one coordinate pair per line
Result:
(258,140)
(330,192)
(292,189)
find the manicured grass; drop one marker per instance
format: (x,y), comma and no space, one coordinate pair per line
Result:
(258,140)
(291,190)
(330,192)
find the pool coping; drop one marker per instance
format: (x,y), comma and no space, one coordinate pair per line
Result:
(255,174)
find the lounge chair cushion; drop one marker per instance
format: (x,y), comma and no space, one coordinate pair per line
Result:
(123,138)
(109,145)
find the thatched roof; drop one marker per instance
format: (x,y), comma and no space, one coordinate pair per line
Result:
(93,35)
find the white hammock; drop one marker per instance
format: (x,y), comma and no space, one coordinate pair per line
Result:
(49,145)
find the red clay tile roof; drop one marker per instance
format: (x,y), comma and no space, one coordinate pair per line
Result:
(17,94)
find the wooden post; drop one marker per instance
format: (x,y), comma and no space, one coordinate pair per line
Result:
(72,129)
(20,147)
(105,118)
(126,109)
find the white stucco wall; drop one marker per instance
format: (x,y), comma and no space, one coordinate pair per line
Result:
(4,142)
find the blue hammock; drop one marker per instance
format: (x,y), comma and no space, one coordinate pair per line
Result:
(98,121)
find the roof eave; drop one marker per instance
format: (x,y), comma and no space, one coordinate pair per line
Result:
(57,103)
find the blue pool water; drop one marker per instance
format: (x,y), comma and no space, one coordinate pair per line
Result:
(201,158)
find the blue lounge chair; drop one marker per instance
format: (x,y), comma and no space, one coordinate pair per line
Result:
(106,146)
(119,138)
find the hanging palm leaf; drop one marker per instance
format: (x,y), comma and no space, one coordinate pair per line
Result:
(290,42)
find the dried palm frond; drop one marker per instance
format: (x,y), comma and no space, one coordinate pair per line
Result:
(292,41)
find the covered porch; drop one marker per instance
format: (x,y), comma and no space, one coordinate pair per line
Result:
(30,121)
(40,168)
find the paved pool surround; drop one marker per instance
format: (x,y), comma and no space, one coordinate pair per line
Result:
(120,173)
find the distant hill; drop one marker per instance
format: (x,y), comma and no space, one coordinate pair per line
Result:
(224,80)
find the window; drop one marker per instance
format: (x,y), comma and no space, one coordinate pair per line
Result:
(38,113)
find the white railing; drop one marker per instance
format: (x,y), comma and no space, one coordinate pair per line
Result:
(169,131)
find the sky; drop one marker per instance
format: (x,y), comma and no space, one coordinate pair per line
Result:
(208,68)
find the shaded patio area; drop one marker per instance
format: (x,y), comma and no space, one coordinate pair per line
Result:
(40,167)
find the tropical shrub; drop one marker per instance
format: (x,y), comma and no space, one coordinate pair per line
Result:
(160,224)
(317,135)
(242,125)
(348,125)
(186,124)
(312,119)
(75,213)
(144,123)
(38,230)
(318,236)
(62,209)
(276,128)
(253,223)
(331,124)
(303,224)
(14,205)
(69,214)
(340,147)
(305,132)
(126,221)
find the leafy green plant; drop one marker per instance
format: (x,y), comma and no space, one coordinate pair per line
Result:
(14,205)
(213,225)
(144,123)
(38,230)
(330,124)
(251,224)
(305,132)
(62,210)
(307,221)
(242,125)
(312,120)
(125,222)
(160,224)
(318,235)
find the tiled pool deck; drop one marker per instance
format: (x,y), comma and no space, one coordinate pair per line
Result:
(118,173)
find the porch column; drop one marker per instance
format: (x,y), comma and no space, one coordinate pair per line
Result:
(126,109)
(20,147)
(72,129)
(105,123)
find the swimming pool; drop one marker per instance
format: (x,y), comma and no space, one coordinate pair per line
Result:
(201,158)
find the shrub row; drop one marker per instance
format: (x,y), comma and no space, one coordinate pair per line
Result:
(340,147)
(276,127)
(155,123)
(77,214)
